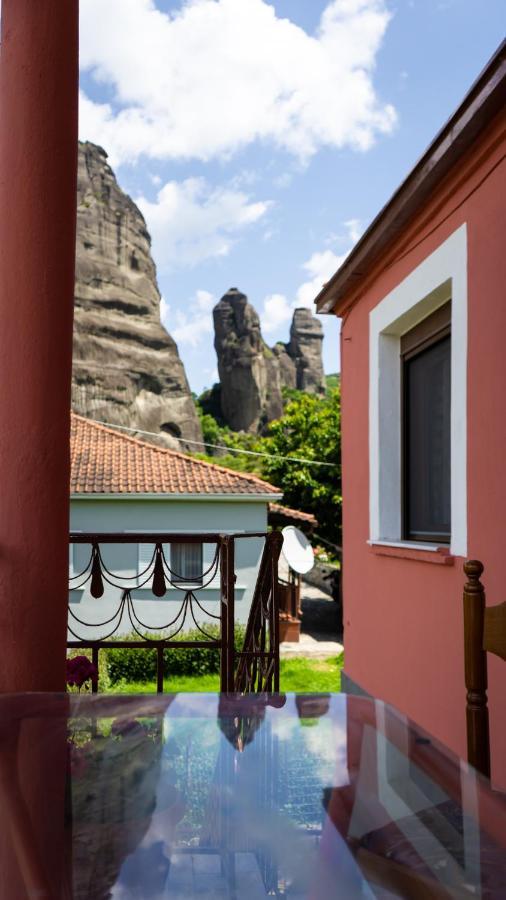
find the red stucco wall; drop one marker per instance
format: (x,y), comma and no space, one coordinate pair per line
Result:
(38,173)
(403,617)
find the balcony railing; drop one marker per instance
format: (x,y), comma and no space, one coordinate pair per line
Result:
(253,669)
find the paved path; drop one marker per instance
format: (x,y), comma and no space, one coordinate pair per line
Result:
(319,635)
(310,646)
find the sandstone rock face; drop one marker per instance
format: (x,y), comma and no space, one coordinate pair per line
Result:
(126,367)
(305,348)
(250,389)
(252,374)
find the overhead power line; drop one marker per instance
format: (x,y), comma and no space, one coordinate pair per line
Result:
(307,462)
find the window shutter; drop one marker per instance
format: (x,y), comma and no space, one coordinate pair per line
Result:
(208,554)
(145,555)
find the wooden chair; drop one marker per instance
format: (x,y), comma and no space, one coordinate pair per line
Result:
(484,632)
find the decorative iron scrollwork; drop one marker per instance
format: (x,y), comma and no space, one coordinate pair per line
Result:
(254,669)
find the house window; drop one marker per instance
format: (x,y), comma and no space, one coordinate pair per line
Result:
(186,563)
(426,428)
(401,327)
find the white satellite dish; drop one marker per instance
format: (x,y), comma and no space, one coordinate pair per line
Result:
(297,550)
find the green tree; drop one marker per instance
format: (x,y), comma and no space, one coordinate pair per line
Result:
(309,429)
(217,435)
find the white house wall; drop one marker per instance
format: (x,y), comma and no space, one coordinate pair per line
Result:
(128,515)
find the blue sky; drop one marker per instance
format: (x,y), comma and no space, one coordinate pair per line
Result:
(260,139)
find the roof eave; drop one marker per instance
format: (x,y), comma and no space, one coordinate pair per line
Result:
(232,498)
(479,107)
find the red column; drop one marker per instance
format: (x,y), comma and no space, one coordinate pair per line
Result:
(38,165)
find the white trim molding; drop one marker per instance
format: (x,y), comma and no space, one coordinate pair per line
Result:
(197,498)
(440,277)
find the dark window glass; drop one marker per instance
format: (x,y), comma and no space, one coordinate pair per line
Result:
(186,563)
(427,395)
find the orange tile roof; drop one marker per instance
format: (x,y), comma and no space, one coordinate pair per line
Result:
(104,461)
(293,513)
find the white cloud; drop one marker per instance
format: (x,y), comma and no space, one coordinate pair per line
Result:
(215,75)
(191,221)
(164,310)
(284,180)
(355,230)
(213,374)
(278,310)
(320,267)
(192,327)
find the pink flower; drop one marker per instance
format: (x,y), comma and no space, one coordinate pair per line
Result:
(80,670)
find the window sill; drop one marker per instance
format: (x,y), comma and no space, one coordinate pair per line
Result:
(431,553)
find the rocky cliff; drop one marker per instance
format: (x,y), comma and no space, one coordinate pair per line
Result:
(252,374)
(126,367)
(305,348)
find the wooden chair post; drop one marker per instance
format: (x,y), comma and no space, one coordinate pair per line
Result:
(478,742)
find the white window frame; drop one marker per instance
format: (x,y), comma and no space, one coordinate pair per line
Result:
(440,277)
(180,581)
(208,550)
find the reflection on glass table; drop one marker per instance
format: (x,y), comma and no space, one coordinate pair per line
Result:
(247,797)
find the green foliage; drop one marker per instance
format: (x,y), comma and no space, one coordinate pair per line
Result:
(222,436)
(210,428)
(303,675)
(309,429)
(333,381)
(236,461)
(307,676)
(209,403)
(139,665)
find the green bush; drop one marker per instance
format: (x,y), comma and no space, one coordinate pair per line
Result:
(136,664)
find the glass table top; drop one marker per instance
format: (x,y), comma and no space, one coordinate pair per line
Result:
(197,795)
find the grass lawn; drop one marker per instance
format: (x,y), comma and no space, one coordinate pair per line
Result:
(305,675)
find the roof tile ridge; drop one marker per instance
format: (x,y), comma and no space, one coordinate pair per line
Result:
(246,476)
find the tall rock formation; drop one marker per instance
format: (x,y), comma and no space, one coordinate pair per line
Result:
(252,374)
(305,349)
(126,367)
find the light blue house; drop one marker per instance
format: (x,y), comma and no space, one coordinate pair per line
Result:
(123,485)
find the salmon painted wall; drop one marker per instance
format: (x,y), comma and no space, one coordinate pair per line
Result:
(403,616)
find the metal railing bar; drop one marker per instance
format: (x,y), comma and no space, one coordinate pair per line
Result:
(94,659)
(156,537)
(88,645)
(254,668)
(159,670)
(229,648)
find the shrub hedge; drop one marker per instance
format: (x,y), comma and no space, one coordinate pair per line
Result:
(135,664)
